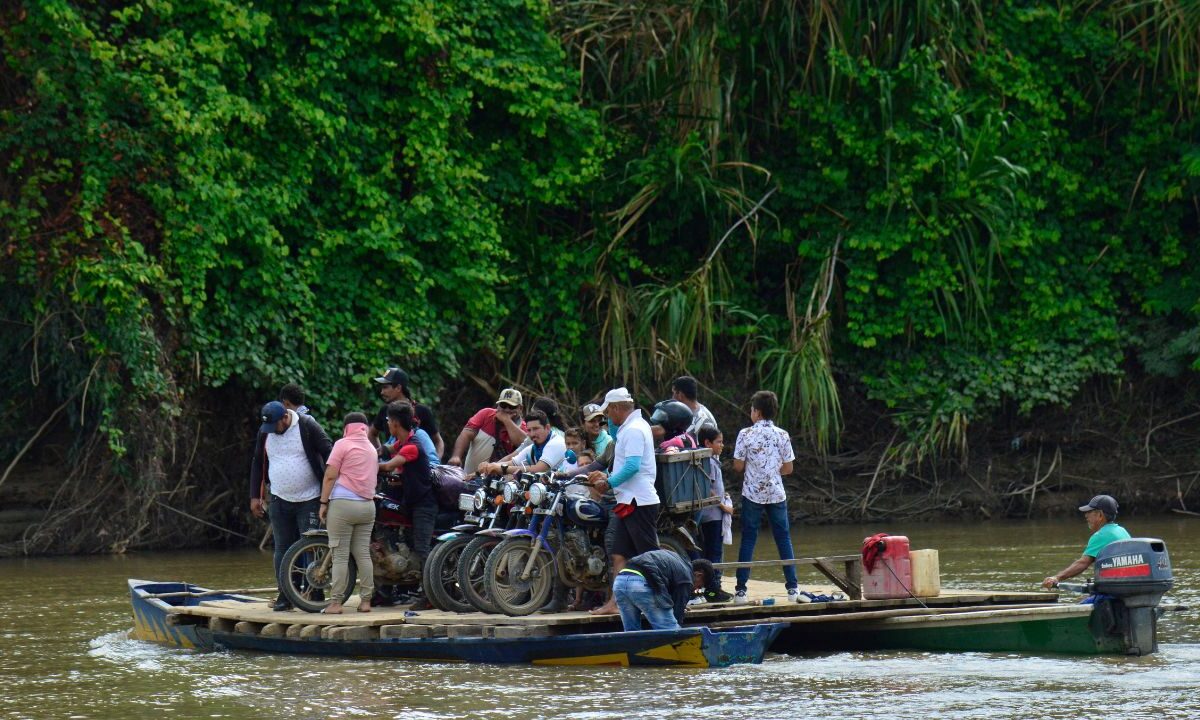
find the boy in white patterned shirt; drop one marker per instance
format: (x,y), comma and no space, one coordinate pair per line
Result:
(764,453)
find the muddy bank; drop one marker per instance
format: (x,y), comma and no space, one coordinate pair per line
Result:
(1145,454)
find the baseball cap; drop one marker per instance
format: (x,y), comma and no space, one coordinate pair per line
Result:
(616,395)
(1104,503)
(393,376)
(592,410)
(509,396)
(272,413)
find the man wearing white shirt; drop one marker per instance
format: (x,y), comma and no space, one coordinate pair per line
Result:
(545,451)
(764,453)
(289,462)
(632,480)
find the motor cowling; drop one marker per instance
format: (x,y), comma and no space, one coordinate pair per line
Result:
(1138,571)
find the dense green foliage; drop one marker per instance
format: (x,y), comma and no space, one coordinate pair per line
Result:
(957,207)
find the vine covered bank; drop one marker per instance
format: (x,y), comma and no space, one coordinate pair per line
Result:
(963,243)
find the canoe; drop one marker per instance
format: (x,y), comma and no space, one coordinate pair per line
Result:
(160,614)
(1053,629)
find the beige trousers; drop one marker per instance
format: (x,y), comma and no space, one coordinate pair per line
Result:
(349,523)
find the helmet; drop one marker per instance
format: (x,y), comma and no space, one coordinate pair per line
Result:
(674,416)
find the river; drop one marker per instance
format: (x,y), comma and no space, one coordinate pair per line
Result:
(64,652)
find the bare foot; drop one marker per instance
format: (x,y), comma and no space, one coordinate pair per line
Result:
(333,609)
(608,608)
(364,606)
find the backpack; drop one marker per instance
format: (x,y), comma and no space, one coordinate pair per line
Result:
(448,484)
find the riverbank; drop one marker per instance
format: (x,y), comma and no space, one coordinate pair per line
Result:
(1144,451)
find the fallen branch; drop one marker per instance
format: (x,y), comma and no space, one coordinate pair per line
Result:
(202,520)
(1156,428)
(37,434)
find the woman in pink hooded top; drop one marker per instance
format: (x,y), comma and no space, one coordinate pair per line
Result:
(348,510)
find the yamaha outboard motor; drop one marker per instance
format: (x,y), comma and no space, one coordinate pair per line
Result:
(1137,573)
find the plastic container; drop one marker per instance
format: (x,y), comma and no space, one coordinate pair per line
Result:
(892,574)
(926,575)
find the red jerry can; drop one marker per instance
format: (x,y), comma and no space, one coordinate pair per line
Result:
(891,575)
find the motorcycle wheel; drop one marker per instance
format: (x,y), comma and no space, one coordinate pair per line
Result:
(675,545)
(502,574)
(306,574)
(470,573)
(440,576)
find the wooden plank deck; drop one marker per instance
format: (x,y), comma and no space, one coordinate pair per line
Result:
(259,615)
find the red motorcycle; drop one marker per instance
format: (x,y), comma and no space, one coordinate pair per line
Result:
(306,573)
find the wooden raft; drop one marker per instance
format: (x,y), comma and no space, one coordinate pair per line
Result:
(258,618)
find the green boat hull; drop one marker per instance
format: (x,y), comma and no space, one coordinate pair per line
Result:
(1064,629)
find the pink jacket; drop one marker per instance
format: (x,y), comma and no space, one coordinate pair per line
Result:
(356,461)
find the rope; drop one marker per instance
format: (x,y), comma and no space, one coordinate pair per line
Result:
(888,565)
(202,520)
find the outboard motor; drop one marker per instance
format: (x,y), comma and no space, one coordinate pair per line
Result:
(1137,573)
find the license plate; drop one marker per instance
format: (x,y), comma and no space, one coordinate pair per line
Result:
(466,502)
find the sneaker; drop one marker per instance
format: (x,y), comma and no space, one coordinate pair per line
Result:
(698,600)
(717,596)
(795,595)
(739,598)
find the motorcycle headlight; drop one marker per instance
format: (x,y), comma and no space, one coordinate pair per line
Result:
(537,493)
(511,492)
(480,498)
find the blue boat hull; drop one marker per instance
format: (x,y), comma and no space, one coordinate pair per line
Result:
(165,620)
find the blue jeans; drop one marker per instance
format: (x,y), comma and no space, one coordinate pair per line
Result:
(635,599)
(289,520)
(752,513)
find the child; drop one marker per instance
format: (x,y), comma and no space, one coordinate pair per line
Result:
(574,440)
(712,519)
(764,453)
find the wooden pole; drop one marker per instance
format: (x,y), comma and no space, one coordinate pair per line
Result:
(206,593)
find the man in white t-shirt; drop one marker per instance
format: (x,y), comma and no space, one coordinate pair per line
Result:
(289,461)
(686,389)
(632,480)
(546,450)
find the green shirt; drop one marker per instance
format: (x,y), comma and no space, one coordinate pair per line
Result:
(1100,539)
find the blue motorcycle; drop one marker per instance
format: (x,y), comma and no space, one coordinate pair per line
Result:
(564,542)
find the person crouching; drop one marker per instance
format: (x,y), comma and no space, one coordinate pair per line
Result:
(657,585)
(348,510)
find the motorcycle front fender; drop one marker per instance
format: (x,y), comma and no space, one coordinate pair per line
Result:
(447,536)
(491,532)
(528,533)
(316,532)
(465,527)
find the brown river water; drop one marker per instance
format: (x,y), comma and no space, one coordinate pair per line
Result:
(64,652)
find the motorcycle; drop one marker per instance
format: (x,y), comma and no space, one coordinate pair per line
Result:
(440,575)
(564,542)
(306,572)
(510,510)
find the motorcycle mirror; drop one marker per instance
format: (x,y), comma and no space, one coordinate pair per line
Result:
(571,457)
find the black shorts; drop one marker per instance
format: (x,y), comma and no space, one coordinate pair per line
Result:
(636,533)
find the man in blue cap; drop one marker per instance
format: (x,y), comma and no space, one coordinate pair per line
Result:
(289,459)
(1101,515)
